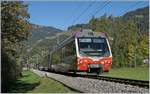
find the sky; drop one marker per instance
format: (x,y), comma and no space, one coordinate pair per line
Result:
(61,14)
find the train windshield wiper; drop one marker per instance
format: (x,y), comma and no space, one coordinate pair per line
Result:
(99,50)
(83,53)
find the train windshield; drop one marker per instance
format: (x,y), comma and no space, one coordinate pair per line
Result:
(93,47)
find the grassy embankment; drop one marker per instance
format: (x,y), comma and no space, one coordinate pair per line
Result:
(140,73)
(32,83)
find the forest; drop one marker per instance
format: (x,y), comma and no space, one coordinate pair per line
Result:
(128,36)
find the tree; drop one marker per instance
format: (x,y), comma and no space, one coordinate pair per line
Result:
(143,46)
(93,23)
(129,34)
(15,26)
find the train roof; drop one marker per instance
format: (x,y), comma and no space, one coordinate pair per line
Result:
(82,33)
(90,33)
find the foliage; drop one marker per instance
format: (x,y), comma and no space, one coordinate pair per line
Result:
(32,83)
(74,27)
(38,44)
(41,32)
(128,36)
(140,16)
(15,26)
(26,83)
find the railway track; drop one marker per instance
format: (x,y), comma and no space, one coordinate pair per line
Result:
(93,84)
(140,83)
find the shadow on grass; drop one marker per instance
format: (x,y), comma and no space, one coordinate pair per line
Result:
(25,75)
(19,86)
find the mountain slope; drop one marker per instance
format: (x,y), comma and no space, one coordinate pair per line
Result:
(40,32)
(140,17)
(143,12)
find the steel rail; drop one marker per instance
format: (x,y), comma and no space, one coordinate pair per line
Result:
(134,82)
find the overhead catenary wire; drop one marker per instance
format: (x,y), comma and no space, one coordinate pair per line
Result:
(93,3)
(85,10)
(70,17)
(98,9)
(108,3)
(102,7)
(74,11)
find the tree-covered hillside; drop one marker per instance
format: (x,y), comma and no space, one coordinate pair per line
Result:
(41,40)
(40,32)
(128,36)
(140,16)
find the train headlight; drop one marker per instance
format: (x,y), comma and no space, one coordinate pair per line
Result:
(85,61)
(102,62)
(81,62)
(108,62)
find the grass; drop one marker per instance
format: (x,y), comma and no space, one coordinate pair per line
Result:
(32,83)
(50,86)
(140,73)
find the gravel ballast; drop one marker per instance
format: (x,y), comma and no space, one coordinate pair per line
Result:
(92,85)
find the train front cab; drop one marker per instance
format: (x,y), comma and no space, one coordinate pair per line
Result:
(93,55)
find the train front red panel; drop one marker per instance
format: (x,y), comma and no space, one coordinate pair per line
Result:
(82,63)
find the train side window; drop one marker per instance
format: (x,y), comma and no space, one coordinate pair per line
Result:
(73,48)
(56,58)
(70,49)
(69,52)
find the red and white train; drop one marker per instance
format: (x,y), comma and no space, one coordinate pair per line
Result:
(85,50)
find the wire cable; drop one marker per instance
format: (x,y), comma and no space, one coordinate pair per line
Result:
(82,13)
(98,10)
